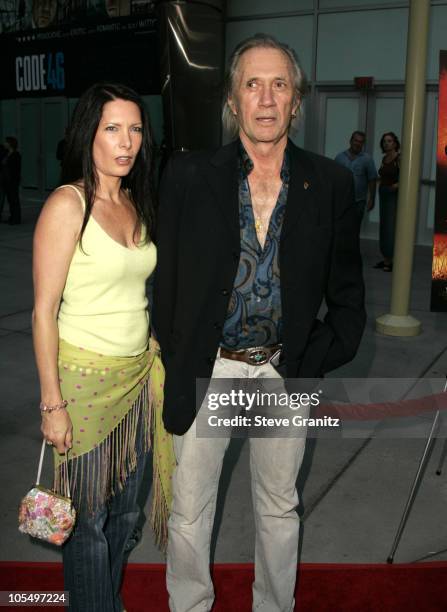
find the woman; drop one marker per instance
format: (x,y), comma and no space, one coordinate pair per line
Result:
(389,184)
(100,384)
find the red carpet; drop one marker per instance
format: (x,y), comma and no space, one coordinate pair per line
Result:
(420,587)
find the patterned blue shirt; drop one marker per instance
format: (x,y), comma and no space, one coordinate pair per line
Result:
(254,315)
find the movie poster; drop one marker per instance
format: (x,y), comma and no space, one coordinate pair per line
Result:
(439,267)
(20,15)
(61,47)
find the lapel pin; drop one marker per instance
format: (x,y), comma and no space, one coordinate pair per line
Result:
(306,185)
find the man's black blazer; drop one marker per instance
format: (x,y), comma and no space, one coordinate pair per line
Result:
(198,241)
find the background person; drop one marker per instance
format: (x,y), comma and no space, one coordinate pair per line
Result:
(92,255)
(12,165)
(388,193)
(364,171)
(61,147)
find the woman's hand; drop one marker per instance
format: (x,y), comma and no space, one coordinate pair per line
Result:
(57,428)
(154,345)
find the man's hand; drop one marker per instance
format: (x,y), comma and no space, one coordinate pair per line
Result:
(57,428)
(370,205)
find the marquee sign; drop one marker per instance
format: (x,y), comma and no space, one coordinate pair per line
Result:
(62,55)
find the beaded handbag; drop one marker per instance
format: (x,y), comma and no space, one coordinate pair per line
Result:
(46,515)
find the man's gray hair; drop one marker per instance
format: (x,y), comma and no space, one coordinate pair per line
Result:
(260,41)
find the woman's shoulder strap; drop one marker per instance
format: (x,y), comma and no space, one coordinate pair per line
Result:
(77,190)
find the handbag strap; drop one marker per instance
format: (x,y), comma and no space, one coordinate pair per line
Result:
(64,470)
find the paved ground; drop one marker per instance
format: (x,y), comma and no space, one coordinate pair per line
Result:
(352,490)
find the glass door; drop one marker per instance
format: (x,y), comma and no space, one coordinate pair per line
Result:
(41,125)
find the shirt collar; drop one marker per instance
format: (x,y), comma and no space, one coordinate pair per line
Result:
(348,154)
(246,164)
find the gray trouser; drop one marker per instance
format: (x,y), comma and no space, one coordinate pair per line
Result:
(361,207)
(274,466)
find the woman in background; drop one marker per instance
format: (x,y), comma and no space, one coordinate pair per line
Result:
(388,190)
(101,382)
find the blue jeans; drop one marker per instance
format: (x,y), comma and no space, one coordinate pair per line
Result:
(93,556)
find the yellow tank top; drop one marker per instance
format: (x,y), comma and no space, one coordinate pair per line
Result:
(104,303)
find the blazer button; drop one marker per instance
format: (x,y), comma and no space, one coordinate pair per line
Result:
(217,326)
(235,256)
(210,360)
(225,292)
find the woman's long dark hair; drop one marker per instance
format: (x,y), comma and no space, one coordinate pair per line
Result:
(78,161)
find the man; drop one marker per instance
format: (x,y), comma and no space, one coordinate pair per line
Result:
(12,164)
(364,170)
(62,147)
(262,205)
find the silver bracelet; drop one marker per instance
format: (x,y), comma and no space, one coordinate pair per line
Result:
(46,408)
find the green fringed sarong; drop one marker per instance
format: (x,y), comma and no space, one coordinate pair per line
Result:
(107,396)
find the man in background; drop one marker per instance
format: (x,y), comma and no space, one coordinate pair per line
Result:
(364,170)
(11,170)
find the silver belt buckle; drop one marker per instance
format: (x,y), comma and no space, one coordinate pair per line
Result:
(257,356)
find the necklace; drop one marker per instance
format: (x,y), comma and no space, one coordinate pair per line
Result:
(259,226)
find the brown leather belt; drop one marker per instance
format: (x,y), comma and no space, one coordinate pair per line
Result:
(258,355)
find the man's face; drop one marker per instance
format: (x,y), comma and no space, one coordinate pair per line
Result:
(264,95)
(357,143)
(44,11)
(117,8)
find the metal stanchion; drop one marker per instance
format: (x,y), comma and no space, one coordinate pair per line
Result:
(417,479)
(442,458)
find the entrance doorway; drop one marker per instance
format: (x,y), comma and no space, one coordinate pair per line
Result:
(41,125)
